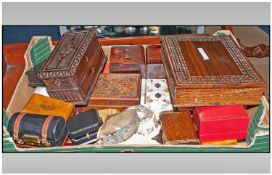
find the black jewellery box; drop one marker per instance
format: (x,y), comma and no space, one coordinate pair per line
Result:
(37,130)
(83,127)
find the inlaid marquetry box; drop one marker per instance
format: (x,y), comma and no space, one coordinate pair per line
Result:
(209,70)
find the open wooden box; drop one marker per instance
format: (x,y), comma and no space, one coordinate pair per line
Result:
(14,84)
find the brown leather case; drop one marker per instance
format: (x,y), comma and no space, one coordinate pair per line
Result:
(128,59)
(39,104)
(116,90)
(178,128)
(155,71)
(153,54)
(72,70)
(209,70)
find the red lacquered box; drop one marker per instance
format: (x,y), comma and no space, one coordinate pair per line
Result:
(216,123)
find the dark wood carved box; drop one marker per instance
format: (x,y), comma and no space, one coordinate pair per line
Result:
(128,59)
(116,90)
(71,72)
(209,70)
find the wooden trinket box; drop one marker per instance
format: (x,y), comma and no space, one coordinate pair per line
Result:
(178,128)
(71,72)
(116,90)
(209,70)
(128,59)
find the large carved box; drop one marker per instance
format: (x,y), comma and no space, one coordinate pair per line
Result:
(209,70)
(72,70)
(116,90)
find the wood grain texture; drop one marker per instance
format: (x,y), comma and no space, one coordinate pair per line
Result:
(10,80)
(178,128)
(128,59)
(153,54)
(14,53)
(127,55)
(139,40)
(220,61)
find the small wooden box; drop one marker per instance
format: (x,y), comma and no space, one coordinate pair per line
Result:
(178,128)
(116,90)
(71,72)
(209,70)
(128,59)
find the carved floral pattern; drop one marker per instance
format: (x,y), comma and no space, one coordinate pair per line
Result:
(113,85)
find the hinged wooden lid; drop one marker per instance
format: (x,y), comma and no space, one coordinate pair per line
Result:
(67,55)
(207,61)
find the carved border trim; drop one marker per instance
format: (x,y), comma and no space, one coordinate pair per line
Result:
(182,72)
(75,62)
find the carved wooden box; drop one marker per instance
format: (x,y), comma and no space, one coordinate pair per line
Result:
(128,59)
(209,70)
(116,90)
(71,72)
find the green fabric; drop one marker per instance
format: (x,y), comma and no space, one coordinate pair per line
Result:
(5,118)
(40,51)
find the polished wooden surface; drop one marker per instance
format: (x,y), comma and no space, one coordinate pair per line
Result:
(178,127)
(153,54)
(220,61)
(141,40)
(10,80)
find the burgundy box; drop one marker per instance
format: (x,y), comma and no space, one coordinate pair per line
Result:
(216,123)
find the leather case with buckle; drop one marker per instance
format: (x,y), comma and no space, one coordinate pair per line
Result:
(37,130)
(83,127)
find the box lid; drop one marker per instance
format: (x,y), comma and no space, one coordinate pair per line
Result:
(226,112)
(39,104)
(66,57)
(117,89)
(83,123)
(208,61)
(127,55)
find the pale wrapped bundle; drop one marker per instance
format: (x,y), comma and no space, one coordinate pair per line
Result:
(119,127)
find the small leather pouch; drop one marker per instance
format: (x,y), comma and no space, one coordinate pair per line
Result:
(83,127)
(37,130)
